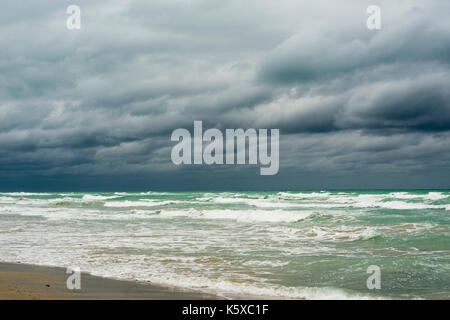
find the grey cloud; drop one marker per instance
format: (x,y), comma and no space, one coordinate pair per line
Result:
(416,37)
(103,100)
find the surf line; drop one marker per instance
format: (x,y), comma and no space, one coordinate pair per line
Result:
(213,151)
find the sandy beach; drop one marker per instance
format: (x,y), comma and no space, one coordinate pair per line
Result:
(30,282)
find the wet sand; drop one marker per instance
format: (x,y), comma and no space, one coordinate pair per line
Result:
(30,282)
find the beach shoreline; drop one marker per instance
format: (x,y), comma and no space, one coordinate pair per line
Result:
(20,281)
(230,245)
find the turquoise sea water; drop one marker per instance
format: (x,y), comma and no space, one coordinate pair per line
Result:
(296,244)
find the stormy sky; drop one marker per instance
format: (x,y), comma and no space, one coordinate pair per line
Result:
(93,109)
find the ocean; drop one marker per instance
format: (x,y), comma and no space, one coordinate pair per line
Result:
(281,245)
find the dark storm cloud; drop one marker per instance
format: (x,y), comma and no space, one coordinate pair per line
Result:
(102,101)
(393,79)
(420,102)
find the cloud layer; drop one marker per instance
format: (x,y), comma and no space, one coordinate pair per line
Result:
(356,108)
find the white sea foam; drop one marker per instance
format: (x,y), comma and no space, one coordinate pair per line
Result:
(266,263)
(224,287)
(154,193)
(92,197)
(404,195)
(7,199)
(262,203)
(436,196)
(231,289)
(141,203)
(24,194)
(240,215)
(303,195)
(342,233)
(401,205)
(433,196)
